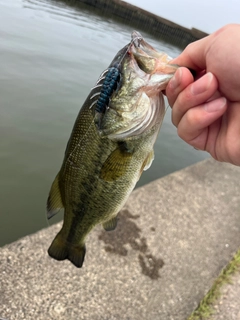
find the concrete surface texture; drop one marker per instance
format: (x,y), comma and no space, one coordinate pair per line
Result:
(227,307)
(173,238)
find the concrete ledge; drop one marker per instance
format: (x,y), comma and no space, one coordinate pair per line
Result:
(141,19)
(227,307)
(222,301)
(173,238)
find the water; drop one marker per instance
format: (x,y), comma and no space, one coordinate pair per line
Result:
(50,56)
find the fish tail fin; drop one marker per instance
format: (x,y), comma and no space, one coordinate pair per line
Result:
(76,255)
(61,250)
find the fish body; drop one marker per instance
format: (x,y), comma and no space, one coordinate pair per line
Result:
(111,144)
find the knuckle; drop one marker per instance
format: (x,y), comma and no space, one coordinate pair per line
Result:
(189,125)
(190,46)
(193,118)
(184,100)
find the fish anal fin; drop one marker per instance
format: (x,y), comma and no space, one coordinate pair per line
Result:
(54,201)
(61,250)
(110,224)
(116,165)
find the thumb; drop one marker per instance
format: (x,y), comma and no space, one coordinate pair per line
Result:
(194,56)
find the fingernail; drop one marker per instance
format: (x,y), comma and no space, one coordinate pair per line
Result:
(176,79)
(215,105)
(202,84)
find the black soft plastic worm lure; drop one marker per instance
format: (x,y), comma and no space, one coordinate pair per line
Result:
(109,85)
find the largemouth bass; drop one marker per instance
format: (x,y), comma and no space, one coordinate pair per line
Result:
(110,146)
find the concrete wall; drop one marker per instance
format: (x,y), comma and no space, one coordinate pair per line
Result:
(142,20)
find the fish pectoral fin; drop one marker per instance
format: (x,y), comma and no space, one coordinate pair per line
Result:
(54,201)
(110,224)
(116,165)
(148,161)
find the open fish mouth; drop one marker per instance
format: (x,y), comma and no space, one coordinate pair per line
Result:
(148,59)
(128,98)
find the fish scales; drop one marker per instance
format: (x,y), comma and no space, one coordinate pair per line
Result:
(105,158)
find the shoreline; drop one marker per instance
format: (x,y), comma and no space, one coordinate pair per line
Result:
(125,12)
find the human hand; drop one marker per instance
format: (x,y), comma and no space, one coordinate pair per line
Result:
(206,111)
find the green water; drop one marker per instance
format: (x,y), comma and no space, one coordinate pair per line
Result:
(50,57)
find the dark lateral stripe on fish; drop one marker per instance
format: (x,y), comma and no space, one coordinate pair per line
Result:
(81,208)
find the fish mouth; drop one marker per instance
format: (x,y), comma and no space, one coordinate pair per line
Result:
(137,104)
(142,59)
(141,54)
(148,59)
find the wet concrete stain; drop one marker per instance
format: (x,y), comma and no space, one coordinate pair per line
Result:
(128,233)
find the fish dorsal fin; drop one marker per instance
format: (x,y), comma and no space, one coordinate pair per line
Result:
(116,165)
(54,201)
